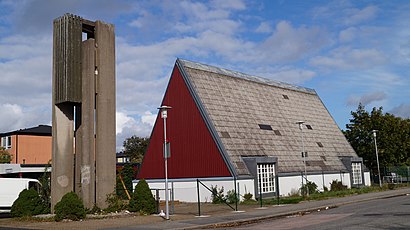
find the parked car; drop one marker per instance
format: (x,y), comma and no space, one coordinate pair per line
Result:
(10,189)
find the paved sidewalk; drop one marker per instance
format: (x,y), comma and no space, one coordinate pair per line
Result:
(269,212)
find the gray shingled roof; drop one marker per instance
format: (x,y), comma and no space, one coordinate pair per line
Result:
(234,104)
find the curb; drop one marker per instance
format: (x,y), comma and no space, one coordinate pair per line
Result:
(301,212)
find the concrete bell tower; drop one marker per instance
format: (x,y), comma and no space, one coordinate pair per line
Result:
(83,113)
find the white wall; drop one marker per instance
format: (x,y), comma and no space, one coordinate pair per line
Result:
(291,184)
(187,190)
(367,180)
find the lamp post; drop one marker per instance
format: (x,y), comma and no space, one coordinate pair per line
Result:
(300,123)
(164,114)
(377,156)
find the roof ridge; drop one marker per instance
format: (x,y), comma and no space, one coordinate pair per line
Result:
(244,76)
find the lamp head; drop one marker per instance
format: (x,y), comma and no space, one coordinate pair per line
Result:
(164,110)
(374,133)
(164,107)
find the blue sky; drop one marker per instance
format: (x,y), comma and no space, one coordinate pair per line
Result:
(348,51)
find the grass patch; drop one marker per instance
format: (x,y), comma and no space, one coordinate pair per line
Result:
(294,199)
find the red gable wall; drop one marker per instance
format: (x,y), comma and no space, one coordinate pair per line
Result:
(194,153)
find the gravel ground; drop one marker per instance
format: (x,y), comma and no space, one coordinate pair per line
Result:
(183,211)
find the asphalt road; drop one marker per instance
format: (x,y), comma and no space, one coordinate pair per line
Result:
(389,213)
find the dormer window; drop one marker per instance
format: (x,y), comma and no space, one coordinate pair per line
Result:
(265,127)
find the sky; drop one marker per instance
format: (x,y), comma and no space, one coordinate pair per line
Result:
(350,52)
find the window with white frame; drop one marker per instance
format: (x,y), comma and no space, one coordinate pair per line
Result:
(357,172)
(6,142)
(266,177)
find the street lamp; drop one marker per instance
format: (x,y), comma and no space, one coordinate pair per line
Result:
(300,123)
(377,156)
(164,114)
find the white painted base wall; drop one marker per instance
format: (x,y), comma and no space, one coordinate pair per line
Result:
(186,190)
(367,180)
(289,185)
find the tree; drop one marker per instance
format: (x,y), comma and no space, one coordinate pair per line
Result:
(135,147)
(127,175)
(5,157)
(393,137)
(142,199)
(45,189)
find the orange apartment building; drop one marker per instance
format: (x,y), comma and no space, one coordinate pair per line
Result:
(28,146)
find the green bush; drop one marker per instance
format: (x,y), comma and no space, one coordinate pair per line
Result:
(28,203)
(70,207)
(337,186)
(310,187)
(94,210)
(391,186)
(115,203)
(217,195)
(247,199)
(231,197)
(142,199)
(247,196)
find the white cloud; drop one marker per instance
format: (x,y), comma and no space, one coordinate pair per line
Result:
(288,74)
(366,99)
(348,58)
(224,45)
(288,43)
(187,18)
(399,38)
(127,126)
(122,120)
(355,16)
(229,4)
(14,116)
(344,12)
(40,14)
(403,110)
(264,27)
(21,47)
(25,70)
(11,116)
(149,118)
(348,35)
(200,11)
(137,23)
(364,36)
(379,80)
(201,18)
(211,32)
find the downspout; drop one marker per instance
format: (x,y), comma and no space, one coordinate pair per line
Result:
(17,147)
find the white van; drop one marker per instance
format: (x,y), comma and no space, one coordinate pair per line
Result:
(10,189)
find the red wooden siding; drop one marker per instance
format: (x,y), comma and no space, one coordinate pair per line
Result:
(193,151)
